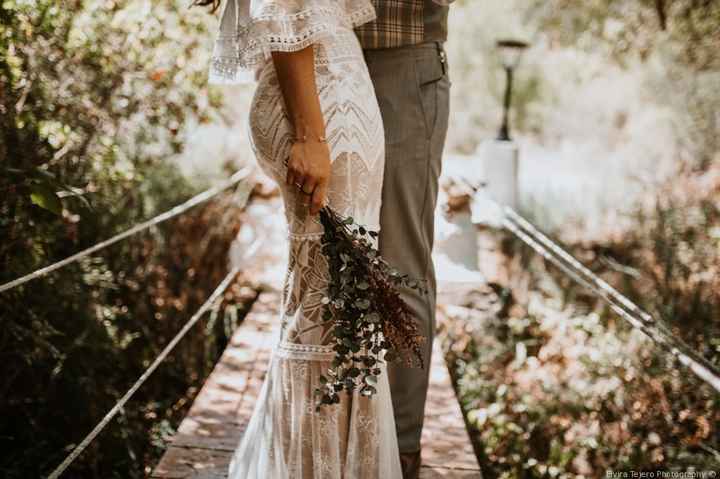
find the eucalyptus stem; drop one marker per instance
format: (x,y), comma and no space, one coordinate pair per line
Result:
(371,322)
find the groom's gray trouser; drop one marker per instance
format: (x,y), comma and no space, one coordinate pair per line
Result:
(412,88)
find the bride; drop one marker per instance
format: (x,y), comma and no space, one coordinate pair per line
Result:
(317,131)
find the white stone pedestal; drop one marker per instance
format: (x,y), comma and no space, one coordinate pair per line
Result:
(499,163)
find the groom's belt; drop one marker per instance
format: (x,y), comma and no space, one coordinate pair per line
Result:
(408,51)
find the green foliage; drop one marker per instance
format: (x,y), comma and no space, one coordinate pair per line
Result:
(365,310)
(675,253)
(556,385)
(95,98)
(561,387)
(635,28)
(677,38)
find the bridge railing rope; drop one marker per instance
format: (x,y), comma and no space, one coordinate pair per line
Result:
(171,213)
(639,319)
(158,360)
(206,195)
(217,293)
(511,220)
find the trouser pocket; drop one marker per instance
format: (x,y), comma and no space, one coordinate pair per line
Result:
(430,70)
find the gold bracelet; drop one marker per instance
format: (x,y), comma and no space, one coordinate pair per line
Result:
(303,139)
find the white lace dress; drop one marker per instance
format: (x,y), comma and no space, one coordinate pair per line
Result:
(286,438)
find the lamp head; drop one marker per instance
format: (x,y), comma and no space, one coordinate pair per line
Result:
(510,52)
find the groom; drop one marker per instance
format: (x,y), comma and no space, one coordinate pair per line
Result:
(404,52)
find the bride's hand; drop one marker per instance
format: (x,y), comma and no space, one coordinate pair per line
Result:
(309,161)
(309,170)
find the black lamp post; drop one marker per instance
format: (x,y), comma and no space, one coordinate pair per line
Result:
(510,53)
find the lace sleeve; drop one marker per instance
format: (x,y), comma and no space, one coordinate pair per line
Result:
(251,29)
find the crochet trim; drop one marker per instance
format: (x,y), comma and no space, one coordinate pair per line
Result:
(244,51)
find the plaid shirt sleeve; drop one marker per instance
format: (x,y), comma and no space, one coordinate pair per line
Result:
(398,23)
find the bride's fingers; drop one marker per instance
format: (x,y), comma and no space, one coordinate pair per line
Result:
(290,178)
(308,185)
(318,198)
(304,186)
(295,178)
(300,180)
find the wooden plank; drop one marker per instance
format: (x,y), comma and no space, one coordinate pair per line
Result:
(196,463)
(203,445)
(448,473)
(206,438)
(446,447)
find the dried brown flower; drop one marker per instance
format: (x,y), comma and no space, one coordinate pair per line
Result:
(370,317)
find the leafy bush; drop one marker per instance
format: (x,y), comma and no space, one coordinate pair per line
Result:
(554,383)
(96,98)
(632,28)
(561,387)
(674,254)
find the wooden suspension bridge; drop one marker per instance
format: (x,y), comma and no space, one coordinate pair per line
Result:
(206,438)
(208,435)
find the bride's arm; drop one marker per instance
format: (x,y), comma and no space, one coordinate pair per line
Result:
(309,162)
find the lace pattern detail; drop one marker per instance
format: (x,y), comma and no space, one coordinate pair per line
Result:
(286,437)
(353,128)
(305,287)
(305,352)
(248,35)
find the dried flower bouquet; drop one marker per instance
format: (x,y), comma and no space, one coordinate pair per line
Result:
(365,306)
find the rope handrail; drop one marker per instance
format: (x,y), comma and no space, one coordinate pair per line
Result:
(158,360)
(633,314)
(175,211)
(602,284)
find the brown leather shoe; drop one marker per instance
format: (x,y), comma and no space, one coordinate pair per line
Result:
(410,464)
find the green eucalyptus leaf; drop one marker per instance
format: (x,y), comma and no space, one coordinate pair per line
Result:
(45,197)
(362,303)
(362,295)
(368,390)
